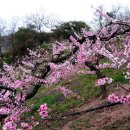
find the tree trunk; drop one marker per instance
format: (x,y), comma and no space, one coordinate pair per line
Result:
(99,76)
(103,87)
(103,91)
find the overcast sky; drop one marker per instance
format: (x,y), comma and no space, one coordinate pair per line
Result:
(64,9)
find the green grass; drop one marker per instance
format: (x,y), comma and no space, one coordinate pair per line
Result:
(80,124)
(83,85)
(116,74)
(128,127)
(49,99)
(128,117)
(1,127)
(46,46)
(54,106)
(67,104)
(86,87)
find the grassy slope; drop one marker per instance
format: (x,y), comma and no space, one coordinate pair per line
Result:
(83,85)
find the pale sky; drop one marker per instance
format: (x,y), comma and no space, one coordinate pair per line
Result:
(64,9)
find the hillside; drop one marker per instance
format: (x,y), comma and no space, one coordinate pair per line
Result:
(109,118)
(78,84)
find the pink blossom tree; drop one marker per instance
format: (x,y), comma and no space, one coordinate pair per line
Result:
(80,54)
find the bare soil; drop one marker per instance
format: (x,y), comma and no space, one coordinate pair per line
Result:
(112,118)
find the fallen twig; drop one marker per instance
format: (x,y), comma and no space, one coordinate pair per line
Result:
(123,87)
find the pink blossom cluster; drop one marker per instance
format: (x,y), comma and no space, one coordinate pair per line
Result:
(10,123)
(21,78)
(128,66)
(64,91)
(14,118)
(103,14)
(65,71)
(8,68)
(4,110)
(34,53)
(43,110)
(60,71)
(84,55)
(67,92)
(76,43)
(122,99)
(103,81)
(103,51)
(34,121)
(29,64)
(9,126)
(87,53)
(104,65)
(127,74)
(112,65)
(26,126)
(86,72)
(58,47)
(16,79)
(87,33)
(127,48)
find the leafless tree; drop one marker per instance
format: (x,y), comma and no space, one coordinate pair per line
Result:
(2,26)
(39,20)
(98,21)
(11,32)
(116,12)
(2,31)
(13,24)
(53,21)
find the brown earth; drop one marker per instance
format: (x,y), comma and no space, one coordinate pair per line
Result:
(99,120)
(109,118)
(112,118)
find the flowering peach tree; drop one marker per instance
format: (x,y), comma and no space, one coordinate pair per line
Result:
(80,54)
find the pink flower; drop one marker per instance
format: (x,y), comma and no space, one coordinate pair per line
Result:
(9,126)
(64,91)
(43,110)
(128,98)
(113,98)
(17,84)
(128,66)
(28,64)
(74,41)
(103,81)
(26,126)
(100,82)
(4,110)
(123,99)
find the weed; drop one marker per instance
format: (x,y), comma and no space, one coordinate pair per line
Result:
(128,127)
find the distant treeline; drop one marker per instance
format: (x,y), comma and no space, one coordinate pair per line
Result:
(29,37)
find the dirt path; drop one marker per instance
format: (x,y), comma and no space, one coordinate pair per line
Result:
(101,119)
